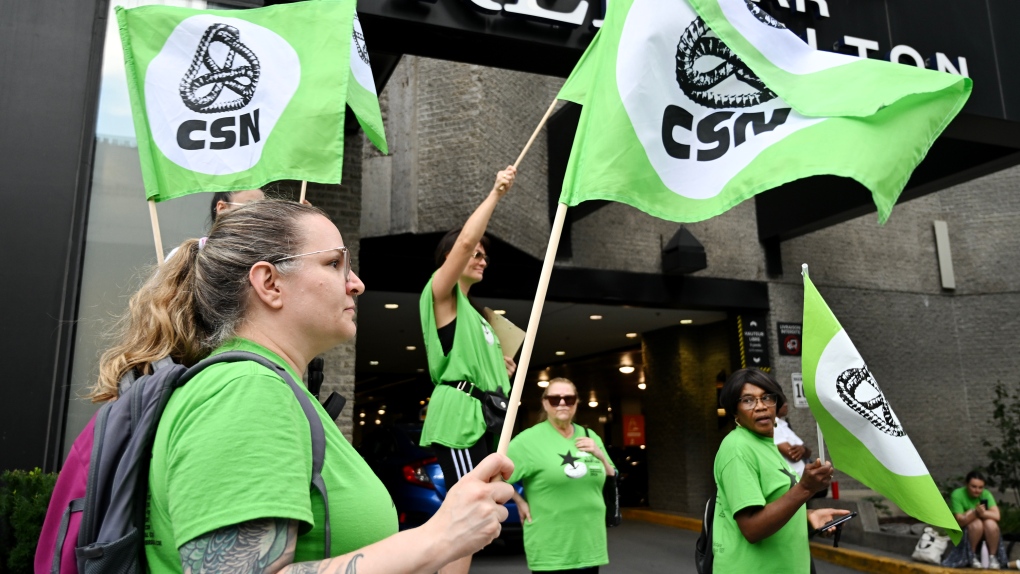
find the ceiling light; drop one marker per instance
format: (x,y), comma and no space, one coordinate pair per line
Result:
(642,386)
(543,384)
(361,414)
(361,423)
(593,401)
(421,370)
(686,321)
(391,306)
(373,363)
(543,376)
(560,353)
(609,409)
(721,412)
(626,369)
(410,347)
(382,411)
(642,447)
(378,422)
(631,335)
(595,317)
(500,311)
(603,419)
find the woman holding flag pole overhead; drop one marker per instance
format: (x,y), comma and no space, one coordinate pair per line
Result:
(465,358)
(761,523)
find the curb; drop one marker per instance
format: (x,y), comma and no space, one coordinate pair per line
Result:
(839,556)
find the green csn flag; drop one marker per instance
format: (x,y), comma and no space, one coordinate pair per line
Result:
(361,95)
(233,99)
(692,106)
(863,434)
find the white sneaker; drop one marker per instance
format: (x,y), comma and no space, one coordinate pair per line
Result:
(993,563)
(976,563)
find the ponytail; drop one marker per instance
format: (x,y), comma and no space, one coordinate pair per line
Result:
(160,322)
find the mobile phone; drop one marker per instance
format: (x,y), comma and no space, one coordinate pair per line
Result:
(837,522)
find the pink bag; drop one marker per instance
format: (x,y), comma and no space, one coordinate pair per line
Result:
(55,552)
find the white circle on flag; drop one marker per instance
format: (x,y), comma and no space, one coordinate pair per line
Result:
(647,81)
(361,66)
(896,453)
(213,140)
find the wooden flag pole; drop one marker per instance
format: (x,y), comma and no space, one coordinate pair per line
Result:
(304,188)
(155,232)
(529,337)
(536,309)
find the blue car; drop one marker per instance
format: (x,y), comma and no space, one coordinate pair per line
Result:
(414,479)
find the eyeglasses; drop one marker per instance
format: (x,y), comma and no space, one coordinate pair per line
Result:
(345,259)
(480,255)
(237,204)
(749,402)
(554,400)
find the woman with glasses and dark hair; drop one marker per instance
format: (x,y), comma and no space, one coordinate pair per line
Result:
(232,454)
(761,522)
(464,355)
(563,467)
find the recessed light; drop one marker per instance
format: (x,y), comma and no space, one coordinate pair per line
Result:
(378,422)
(642,386)
(410,347)
(500,311)
(391,306)
(626,369)
(631,335)
(560,353)
(361,423)
(686,321)
(421,370)
(595,317)
(362,414)
(642,447)
(543,384)
(382,411)
(421,402)
(373,363)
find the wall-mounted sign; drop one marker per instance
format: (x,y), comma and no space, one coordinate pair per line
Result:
(789,335)
(753,340)
(799,400)
(633,430)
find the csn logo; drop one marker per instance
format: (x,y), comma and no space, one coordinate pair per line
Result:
(216,91)
(703,63)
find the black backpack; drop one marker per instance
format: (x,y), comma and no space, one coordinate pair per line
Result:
(110,536)
(703,557)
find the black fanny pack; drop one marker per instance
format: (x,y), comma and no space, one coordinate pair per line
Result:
(494,403)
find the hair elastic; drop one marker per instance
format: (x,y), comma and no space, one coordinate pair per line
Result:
(201,242)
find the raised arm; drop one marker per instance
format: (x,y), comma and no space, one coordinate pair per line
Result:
(468,520)
(443,299)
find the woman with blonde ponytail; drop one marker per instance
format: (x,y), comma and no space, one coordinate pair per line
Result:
(229,476)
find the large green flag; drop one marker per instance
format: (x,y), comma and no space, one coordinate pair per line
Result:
(864,436)
(233,99)
(692,106)
(361,95)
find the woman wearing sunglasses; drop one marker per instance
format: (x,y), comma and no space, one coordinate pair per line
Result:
(761,522)
(463,352)
(563,467)
(232,454)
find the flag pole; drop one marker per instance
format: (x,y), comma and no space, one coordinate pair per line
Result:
(304,187)
(536,308)
(155,232)
(529,337)
(818,427)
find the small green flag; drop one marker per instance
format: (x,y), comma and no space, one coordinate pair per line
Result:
(233,99)
(692,106)
(361,95)
(863,434)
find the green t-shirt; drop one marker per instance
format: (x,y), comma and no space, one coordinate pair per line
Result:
(234,445)
(750,471)
(454,417)
(563,487)
(961,502)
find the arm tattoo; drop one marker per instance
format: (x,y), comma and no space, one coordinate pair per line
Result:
(248,547)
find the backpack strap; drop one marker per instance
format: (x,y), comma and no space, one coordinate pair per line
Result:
(76,505)
(314,422)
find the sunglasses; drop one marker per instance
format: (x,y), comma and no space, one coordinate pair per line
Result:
(480,255)
(554,400)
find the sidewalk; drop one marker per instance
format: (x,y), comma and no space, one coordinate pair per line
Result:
(847,555)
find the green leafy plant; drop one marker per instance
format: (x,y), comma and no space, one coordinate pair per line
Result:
(24,496)
(1010,522)
(1003,470)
